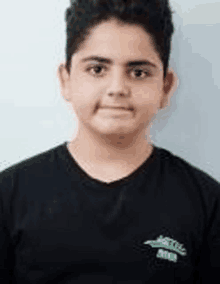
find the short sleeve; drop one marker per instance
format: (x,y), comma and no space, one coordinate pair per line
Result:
(210,262)
(7,255)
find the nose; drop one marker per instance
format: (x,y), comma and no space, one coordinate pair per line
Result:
(117,85)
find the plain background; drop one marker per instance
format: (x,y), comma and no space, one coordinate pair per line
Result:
(34,117)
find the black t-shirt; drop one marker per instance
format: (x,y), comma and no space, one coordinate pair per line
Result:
(160,224)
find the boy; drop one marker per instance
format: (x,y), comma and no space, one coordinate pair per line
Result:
(110,207)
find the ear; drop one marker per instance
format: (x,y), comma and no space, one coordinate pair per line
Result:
(64,80)
(171,83)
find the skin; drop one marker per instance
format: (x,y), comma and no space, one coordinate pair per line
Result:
(107,142)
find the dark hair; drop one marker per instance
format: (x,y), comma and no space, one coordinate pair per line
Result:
(155,16)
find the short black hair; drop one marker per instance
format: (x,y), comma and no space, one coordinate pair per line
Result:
(155,16)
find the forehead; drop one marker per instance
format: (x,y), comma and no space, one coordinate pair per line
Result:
(121,43)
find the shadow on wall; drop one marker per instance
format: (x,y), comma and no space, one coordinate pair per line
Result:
(194,104)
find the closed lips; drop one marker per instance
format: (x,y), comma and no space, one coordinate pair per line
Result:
(117,107)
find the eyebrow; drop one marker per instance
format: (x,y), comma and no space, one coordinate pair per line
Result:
(109,61)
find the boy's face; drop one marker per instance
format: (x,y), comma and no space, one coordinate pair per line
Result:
(93,85)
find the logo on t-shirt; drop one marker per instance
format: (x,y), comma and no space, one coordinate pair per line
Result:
(169,244)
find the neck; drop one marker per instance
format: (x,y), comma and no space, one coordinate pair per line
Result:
(111,150)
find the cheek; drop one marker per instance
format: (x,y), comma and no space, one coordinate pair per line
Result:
(147,97)
(148,101)
(83,99)
(82,86)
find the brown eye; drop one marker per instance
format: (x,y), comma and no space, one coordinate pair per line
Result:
(96,69)
(139,72)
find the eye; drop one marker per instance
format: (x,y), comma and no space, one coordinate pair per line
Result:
(139,72)
(98,68)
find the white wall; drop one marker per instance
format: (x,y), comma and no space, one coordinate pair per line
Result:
(34,117)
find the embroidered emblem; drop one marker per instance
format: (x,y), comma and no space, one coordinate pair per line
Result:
(167,243)
(167,255)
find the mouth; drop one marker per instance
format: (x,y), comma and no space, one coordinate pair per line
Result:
(115,112)
(117,108)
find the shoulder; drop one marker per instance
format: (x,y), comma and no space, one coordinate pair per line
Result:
(35,164)
(186,172)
